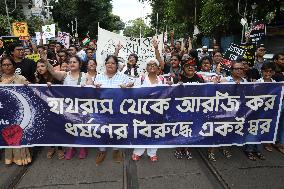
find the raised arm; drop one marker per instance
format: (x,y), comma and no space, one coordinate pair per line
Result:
(59,75)
(157,54)
(117,48)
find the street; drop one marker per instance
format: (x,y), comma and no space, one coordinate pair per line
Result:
(168,173)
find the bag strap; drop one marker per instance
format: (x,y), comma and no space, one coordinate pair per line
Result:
(79,79)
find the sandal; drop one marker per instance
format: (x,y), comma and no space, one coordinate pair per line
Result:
(260,156)
(60,154)
(188,154)
(226,153)
(268,147)
(135,157)
(50,153)
(211,156)
(154,158)
(178,154)
(250,156)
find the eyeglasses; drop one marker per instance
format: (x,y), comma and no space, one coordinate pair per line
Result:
(262,49)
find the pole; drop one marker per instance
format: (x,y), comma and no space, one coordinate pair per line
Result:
(157,23)
(8,19)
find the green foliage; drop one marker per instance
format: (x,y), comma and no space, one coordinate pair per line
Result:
(133,30)
(214,17)
(34,23)
(88,14)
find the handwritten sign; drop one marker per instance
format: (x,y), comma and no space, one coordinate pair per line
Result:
(20,29)
(34,57)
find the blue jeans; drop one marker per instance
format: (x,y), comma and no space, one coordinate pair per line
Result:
(280,132)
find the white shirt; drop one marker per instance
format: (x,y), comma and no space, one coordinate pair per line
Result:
(112,82)
(262,80)
(69,80)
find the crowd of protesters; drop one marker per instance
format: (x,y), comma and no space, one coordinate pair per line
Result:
(177,64)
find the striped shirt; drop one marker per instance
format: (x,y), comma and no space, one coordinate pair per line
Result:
(113,82)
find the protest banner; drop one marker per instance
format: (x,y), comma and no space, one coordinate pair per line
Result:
(48,31)
(20,29)
(234,51)
(141,46)
(249,55)
(64,39)
(34,57)
(258,32)
(202,115)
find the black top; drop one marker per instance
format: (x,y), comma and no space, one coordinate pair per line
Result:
(252,74)
(195,79)
(278,76)
(26,68)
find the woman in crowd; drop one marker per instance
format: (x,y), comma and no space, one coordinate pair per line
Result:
(44,77)
(91,71)
(19,156)
(188,76)
(73,77)
(111,78)
(151,79)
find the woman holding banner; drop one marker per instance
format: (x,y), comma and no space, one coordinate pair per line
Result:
(151,79)
(44,77)
(73,77)
(19,156)
(111,78)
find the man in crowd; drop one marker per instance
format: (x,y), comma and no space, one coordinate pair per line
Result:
(259,57)
(24,67)
(278,60)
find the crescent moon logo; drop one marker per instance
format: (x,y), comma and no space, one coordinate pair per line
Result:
(27,111)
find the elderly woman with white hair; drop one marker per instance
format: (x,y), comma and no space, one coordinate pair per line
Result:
(150,79)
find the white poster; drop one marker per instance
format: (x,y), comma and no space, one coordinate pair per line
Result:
(38,38)
(141,46)
(49,31)
(64,39)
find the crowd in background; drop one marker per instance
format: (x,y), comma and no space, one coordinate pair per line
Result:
(177,64)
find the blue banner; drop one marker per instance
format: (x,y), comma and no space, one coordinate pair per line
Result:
(161,116)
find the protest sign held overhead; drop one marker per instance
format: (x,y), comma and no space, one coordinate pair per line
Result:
(20,29)
(234,51)
(48,31)
(249,55)
(141,46)
(64,39)
(34,57)
(258,32)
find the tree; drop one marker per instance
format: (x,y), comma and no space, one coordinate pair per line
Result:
(88,13)
(137,25)
(214,17)
(16,15)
